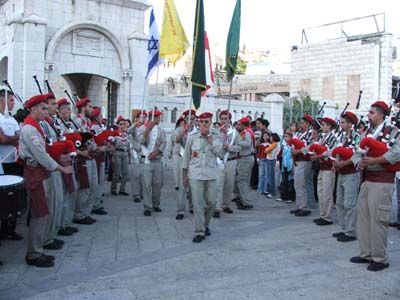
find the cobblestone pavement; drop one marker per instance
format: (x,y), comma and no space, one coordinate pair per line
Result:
(265,253)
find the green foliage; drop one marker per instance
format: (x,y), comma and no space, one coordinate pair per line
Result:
(241,66)
(309,107)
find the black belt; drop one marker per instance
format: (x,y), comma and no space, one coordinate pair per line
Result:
(251,154)
(233,158)
(121,150)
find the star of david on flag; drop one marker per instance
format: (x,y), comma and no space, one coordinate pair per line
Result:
(153,46)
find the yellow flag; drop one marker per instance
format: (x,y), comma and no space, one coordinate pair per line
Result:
(174,43)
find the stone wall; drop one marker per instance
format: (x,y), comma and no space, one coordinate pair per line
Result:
(340,68)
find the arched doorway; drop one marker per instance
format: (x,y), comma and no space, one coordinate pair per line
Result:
(4,68)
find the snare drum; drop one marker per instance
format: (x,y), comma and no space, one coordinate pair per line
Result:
(12,195)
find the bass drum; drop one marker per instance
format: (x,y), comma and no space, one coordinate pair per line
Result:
(12,195)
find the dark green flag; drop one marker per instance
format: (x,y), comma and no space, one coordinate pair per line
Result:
(199,80)
(232,43)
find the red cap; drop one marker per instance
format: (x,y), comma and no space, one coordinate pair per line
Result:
(62,102)
(49,96)
(157,113)
(83,102)
(95,112)
(192,112)
(308,118)
(181,118)
(225,112)
(381,104)
(144,114)
(206,115)
(35,100)
(351,116)
(245,120)
(119,119)
(329,121)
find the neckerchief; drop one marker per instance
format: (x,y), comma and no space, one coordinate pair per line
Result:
(31,121)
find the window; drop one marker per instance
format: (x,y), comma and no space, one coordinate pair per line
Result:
(173,115)
(353,90)
(328,88)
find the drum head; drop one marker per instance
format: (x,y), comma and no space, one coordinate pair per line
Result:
(7,181)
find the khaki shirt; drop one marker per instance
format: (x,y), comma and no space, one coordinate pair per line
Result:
(235,148)
(161,140)
(32,149)
(245,143)
(200,157)
(122,142)
(49,132)
(176,147)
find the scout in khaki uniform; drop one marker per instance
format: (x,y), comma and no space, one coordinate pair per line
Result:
(227,164)
(69,185)
(244,164)
(135,167)
(38,165)
(120,159)
(99,131)
(375,198)
(302,167)
(348,181)
(153,141)
(54,187)
(200,172)
(86,167)
(326,177)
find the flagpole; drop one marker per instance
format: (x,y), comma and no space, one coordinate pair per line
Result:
(230,95)
(143,99)
(154,108)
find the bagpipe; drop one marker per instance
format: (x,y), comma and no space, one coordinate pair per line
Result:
(317,149)
(106,136)
(296,143)
(344,153)
(374,148)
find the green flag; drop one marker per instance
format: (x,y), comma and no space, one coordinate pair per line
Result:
(199,80)
(232,43)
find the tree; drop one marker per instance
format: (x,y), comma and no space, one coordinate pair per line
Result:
(309,107)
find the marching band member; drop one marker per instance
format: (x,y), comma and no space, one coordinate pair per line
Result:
(326,178)
(227,164)
(120,158)
(136,180)
(37,167)
(153,141)
(302,168)
(200,172)
(86,166)
(70,186)
(244,164)
(348,180)
(54,187)
(375,197)
(101,138)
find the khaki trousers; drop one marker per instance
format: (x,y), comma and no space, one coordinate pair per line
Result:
(69,204)
(120,163)
(152,182)
(177,169)
(136,178)
(86,197)
(55,201)
(325,188)
(101,173)
(242,180)
(225,184)
(37,226)
(302,170)
(203,193)
(373,217)
(346,202)
(181,202)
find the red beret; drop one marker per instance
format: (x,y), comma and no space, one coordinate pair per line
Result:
(206,115)
(83,102)
(119,119)
(62,102)
(351,116)
(192,112)
(49,96)
(329,121)
(35,100)
(225,112)
(181,118)
(382,105)
(308,118)
(157,113)
(95,112)
(245,120)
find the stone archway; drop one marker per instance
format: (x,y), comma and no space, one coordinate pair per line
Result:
(88,56)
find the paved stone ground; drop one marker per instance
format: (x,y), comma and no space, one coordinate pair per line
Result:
(260,254)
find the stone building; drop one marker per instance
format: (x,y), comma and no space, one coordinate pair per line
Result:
(94,47)
(336,70)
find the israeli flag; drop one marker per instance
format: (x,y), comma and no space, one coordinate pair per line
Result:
(153,46)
